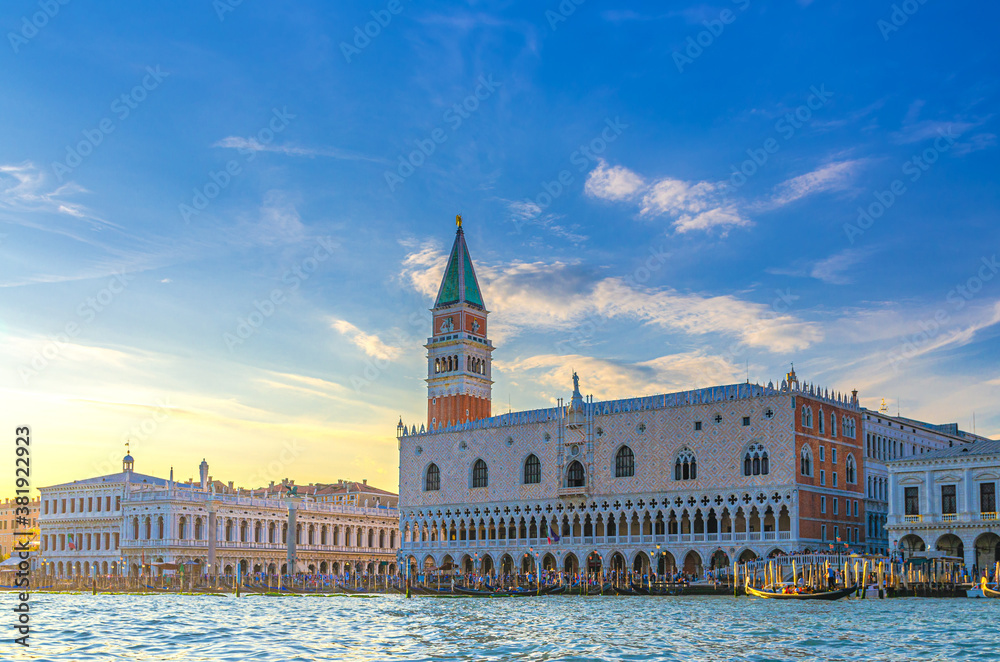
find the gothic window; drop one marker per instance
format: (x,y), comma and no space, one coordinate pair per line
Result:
(755,461)
(624,462)
(432,480)
(575,475)
(480,474)
(685,467)
(822,421)
(852,470)
(833,424)
(807,461)
(532,469)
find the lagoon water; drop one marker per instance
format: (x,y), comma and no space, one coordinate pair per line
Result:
(196,628)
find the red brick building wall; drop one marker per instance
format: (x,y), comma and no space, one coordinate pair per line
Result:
(825,447)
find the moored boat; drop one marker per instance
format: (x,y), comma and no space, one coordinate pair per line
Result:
(794,594)
(989,592)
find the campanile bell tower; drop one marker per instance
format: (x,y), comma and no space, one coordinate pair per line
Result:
(459,383)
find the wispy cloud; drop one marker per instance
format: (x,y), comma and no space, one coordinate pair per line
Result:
(834,269)
(836,176)
(913,129)
(25,187)
(607,378)
(369,343)
(527,212)
(254,145)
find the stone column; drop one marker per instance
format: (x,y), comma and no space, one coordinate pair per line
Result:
(290,557)
(895,503)
(968,509)
(213,532)
(929,496)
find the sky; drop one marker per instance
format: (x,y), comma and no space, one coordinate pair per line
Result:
(222,223)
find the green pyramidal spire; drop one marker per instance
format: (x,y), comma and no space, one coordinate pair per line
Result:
(459,284)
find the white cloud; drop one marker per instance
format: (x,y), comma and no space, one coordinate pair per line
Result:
(369,343)
(615,183)
(692,205)
(836,176)
(719,217)
(556,296)
(254,145)
(706,206)
(695,206)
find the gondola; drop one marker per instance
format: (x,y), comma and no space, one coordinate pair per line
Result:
(989,592)
(474,591)
(818,595)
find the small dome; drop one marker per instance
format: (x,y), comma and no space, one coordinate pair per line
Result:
(128,458)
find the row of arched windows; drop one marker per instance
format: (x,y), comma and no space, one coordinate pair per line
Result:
(446,364)
(878,488)
(452,363)
(848,424)
(884,448)
(756,463)
(262,531)
(686,467)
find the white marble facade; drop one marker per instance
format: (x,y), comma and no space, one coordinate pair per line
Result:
(946,500)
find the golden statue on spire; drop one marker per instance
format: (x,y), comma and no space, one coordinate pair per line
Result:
(458,220)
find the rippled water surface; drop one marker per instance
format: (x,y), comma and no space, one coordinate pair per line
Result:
(192,628)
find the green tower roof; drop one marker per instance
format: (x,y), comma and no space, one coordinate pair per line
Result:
(459,284)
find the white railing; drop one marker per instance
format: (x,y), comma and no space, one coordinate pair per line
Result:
(987,515)
(911,518)
(950,517)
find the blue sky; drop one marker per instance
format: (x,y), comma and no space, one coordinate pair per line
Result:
(661,198)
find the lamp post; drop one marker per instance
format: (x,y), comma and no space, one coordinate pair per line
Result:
(538,570)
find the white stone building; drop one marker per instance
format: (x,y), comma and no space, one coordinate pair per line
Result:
(80,523)
(128,522)
(890,438)
(947,500)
